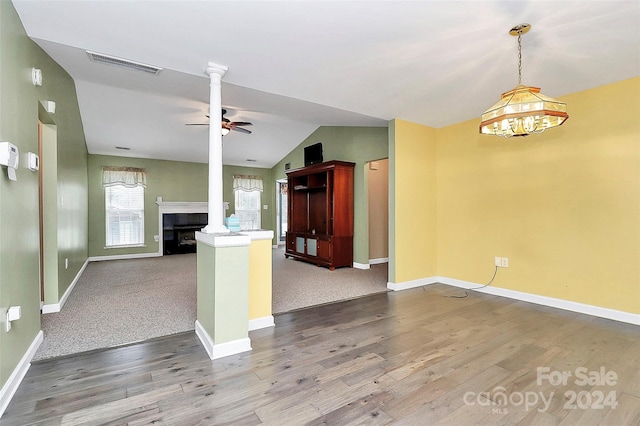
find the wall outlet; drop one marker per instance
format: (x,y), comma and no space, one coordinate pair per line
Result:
(265,207)
(156,238)
(498,261)
(505,262)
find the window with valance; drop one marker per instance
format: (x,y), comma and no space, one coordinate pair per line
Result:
(129,177)
(124,205)
(247,183)
(247,191)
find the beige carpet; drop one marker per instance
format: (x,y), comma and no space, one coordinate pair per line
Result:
(124,301)
(298,285)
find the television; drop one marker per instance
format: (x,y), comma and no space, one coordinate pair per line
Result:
(313,154)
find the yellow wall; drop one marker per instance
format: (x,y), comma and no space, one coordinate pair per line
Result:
(563,206)
(412,228)
(260,278)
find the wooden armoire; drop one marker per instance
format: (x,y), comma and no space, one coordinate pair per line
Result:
(320,214)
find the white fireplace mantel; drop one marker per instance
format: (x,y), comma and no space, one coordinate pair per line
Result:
(169,207)
(182,207)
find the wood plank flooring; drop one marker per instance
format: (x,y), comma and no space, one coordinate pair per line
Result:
(408,358)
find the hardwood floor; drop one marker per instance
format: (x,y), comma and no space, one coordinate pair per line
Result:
(409,358)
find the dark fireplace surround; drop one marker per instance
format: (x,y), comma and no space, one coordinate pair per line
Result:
(179,231)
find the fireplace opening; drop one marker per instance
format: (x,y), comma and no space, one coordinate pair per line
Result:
(179,231)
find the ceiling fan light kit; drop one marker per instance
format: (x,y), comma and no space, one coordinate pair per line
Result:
(228,125)
(523,110)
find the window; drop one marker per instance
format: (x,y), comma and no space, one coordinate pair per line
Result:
(247,191)
(124,206)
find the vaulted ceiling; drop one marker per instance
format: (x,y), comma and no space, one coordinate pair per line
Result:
(297,65)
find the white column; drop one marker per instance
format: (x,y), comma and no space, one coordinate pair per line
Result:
(216,213)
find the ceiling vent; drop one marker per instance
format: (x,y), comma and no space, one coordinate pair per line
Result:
(125,63)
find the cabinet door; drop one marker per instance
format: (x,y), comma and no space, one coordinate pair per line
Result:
(291,243)
(312,247)
(300,243)
(324,249)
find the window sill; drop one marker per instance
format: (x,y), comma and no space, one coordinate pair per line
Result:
(125,246)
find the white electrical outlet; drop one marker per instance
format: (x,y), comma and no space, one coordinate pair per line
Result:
(505,262)
(498,261)
(156,238)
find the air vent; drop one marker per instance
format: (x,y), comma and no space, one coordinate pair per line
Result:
(124,148)
(125,63)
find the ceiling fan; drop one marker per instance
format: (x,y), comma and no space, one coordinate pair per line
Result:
(227,124)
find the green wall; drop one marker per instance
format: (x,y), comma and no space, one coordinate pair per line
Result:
(19,236)
(268,197)
(171,180)
(355,144)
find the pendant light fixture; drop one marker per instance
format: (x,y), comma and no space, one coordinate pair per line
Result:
(523,110)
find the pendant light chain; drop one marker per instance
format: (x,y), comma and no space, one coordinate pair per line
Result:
(519,58)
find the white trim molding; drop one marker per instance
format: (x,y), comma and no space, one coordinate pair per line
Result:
(205,339)
(371,262)
(13,382)
(231,239)
(123,256)
(259,323)
(361,265)
(258,234)
(57,307)
(168,207)
(221,350)
(234,347)
(552,302)
(411,284)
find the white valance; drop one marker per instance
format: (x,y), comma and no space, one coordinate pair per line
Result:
(247,183)
(129,177)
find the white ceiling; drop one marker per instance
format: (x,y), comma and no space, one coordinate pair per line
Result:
(297,65)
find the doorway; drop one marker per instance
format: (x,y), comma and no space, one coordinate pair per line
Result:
(281,206)
(48,210)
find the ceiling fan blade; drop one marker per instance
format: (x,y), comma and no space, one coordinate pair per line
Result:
(241,123)
(241,130)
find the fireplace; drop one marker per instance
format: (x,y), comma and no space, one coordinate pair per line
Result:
(179,231)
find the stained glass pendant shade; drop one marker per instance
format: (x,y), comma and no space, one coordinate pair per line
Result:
(523,110)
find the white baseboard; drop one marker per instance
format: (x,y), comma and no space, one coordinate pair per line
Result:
(11,385)
(551,302)
(205,339)
(371,262)
(231,348)
(264,322)
(57,307)
(124,256)
(223,349)
(411,284)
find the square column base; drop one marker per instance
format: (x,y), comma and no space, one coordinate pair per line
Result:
(223,293)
